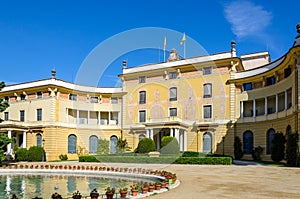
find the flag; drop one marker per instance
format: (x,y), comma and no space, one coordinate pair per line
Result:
(165,43)
(183,39)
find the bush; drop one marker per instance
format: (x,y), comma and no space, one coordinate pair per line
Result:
(146,145)
(277,149)
(206,160)
(103,146)
(291,150)
(36,153)
(238,152)
(256,153)
(63,157)
(88,159)
(195,154)
(169,145)
(21,154)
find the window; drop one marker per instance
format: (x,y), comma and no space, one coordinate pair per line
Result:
(39,95)
(72,142)
(270,81)
(73,97)
(142,95)
(248,142)
(207,142)
(247,86)
(5,116)
(22,116)
(114,100)
(39,114)
(93,147)
(113,142)
(39,140)
(142,79)
(94,99)
(142,116)
(173,75)
(23,97)
(270,136)
(6,99)
(206,70)
(173,111)
(287,72)
(173,94)
(207,90)
(207,111)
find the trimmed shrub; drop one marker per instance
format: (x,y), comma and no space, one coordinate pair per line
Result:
(277,149)
(88,159)
(21,154)
(169,145)
(206,160)
(63,157)
(238,152)
(291,150)
(146,145)
(36,153)
(103,146)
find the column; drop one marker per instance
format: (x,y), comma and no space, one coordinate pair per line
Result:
(77,116)
(88,117)
(108,121)
(24,139)
(172,132)
(67,115)
(181,140)
(147,133)
(242,109)
(158,140)
(254,108)
(176,134)
(266,105)
(184,140)
(285,100)
(276,103)
(99,122)
(151,134)
(9,145)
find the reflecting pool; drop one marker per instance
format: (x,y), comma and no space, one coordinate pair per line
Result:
(30,186)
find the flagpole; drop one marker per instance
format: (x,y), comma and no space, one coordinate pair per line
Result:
(164,55)
(184,50)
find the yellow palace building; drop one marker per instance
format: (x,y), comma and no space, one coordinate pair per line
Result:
(204,102)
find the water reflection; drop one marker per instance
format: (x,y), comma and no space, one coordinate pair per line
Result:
(30,186)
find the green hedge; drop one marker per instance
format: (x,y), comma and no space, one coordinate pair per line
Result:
(21,154)
(36,153)
(158,160)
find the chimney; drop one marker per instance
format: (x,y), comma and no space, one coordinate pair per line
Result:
(233,50)
(53,73)
(124,63)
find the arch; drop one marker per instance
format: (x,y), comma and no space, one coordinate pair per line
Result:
(113,142)
(72,142)
(288,130)
(207,142)
(270,136)
(141,136)
(93,144)
(39,140)
(248,142)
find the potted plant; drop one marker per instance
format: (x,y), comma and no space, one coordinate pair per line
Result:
(109,192)
(134,189)
(157,185)
(123,192)
(56,196)
(94,194)
(151,187)
(163,184)
(76,195)
(145,188)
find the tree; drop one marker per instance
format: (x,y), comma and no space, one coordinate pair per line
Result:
(292,150)
(238,152)
(3,104)
(277,149)
(4,141)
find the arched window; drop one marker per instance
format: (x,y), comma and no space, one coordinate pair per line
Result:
(72,142)
(270,136)
(39,140)
(248,142)
(93,147)
(113,144)
(288,130)
(141,136)
(207,142)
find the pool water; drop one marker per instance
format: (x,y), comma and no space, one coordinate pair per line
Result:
(30,186)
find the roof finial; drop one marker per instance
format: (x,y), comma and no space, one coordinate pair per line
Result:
(233,50)
(124,63)
(298,29)
(53,73)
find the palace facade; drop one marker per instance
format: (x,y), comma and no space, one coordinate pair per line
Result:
(204,102)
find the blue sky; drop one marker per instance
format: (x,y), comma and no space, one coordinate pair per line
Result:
(37,36)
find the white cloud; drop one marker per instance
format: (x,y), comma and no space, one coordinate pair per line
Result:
(246,18)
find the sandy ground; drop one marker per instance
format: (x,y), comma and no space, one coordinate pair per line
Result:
(232,181)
